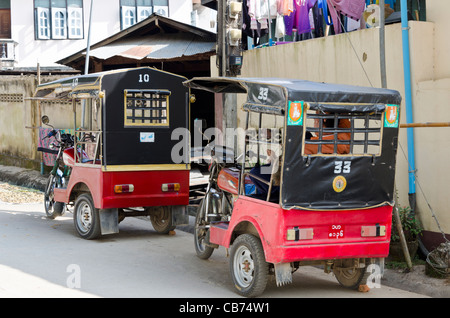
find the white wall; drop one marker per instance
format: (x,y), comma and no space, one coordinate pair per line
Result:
(106,21)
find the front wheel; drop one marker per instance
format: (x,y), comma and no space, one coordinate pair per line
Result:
(52,208)
(86,217)
(201,234)
(248,267)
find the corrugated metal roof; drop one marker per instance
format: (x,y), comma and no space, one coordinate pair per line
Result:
(160,46)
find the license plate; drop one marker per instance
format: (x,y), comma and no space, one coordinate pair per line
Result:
(336,231)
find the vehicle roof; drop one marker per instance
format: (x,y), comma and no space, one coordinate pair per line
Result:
(61,88)
(282,90)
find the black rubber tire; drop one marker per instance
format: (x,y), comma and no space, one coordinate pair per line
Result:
(52,209)
(201,235)
(351,279)
(249,277)
(161,219)
(86,217)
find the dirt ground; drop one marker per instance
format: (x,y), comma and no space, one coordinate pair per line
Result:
(17,195)
(415,280)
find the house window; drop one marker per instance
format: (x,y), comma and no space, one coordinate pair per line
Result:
(58,19)
(75,22)
(43,31)
(128,16)
(134,11)
(59,23)
(143,13)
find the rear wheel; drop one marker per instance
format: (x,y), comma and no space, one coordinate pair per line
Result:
(86,217)
(52,208)
(350,277)
(201,234)
(161,218)
(248,267)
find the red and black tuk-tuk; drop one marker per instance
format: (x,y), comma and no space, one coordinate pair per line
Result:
(327,194)
(119,161)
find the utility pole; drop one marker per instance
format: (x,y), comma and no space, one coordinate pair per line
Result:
(229,51)
(382,46)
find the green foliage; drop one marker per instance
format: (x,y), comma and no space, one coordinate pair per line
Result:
(411,226)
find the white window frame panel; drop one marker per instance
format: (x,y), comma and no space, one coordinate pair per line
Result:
(43,32)
(141,9)
(75,24)
(56,27)
(165,8)
(126,23)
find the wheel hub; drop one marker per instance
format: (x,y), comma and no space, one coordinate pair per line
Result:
(244,266)
(86,216)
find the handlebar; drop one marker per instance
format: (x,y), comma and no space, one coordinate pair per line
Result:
(64,140)
(54,152)
(51,133)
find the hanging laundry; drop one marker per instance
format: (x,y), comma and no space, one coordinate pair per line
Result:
(280,30)
(258,25)
(259,9)
(350,8)
(302,21)
(251,27)
(324,6)
(285,7)
(289,22)
(318,20)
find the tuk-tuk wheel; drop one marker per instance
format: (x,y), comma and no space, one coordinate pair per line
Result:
(86,217)
(201,234)
(249,269)
(161,218)
(351,277)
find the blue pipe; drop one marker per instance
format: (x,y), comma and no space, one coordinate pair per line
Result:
(408,103)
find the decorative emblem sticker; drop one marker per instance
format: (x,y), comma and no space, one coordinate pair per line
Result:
(295,114)
(339,184)
(391,116)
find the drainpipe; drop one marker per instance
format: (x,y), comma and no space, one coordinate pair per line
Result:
(408,103)
(86,63)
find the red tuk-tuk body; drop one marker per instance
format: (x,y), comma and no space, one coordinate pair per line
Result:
(327,193)
(124,164)
(340,234)
(147,188)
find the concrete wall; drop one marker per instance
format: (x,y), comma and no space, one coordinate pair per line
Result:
(20,119)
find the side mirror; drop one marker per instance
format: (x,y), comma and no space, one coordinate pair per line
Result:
(45,120)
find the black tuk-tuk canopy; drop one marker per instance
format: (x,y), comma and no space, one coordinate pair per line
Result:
(280,91)
(318,182)
(140,109)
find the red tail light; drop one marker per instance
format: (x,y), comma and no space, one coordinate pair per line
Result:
(123,188)
(170,187)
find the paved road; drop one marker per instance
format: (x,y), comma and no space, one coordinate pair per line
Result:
(45,258)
